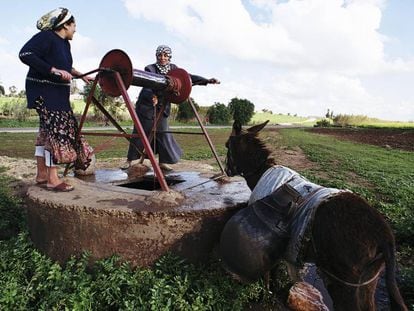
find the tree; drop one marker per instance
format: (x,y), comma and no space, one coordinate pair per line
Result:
(74,87)
(12,90)
(329,114)
(185,112)
(2,92)
(218,114)
(111,104)
(242,110)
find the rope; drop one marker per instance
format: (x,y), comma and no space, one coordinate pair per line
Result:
(339,279)
(352,284)
(174,85)
(154,138)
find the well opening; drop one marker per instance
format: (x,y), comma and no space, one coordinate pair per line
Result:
(151,183)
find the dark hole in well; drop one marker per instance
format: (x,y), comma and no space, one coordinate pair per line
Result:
(150,182)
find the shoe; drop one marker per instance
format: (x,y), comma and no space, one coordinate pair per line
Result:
(62,187)
(126,165)
(165,167)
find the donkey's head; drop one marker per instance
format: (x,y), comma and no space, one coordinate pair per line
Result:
(246,153)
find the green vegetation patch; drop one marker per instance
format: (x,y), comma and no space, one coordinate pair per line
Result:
(274,118)
(31,281)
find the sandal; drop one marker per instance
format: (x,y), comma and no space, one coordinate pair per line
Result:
(126,165)
(62,187)
(166,167)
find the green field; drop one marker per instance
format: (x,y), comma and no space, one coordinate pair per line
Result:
(260,117)
(28,280)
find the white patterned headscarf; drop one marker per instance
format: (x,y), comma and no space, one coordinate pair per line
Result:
(164,69)
(54,19)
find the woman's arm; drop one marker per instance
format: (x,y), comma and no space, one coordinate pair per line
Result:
(198,80)
(34,51)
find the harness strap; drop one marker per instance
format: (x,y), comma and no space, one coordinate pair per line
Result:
(352,284)
(339,279)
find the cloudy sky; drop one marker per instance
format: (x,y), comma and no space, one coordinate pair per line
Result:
(290,56)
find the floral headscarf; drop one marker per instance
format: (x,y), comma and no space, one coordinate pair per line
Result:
(53,19)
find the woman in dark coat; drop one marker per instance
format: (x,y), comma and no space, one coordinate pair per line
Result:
(49,59)
(147,104)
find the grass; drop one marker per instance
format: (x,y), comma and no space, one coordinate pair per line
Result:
(195,147)
(260,117)
(388,124)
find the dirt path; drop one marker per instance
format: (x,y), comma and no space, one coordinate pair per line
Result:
(388,138)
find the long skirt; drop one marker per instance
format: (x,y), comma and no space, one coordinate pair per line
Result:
(165,144)
(58,133)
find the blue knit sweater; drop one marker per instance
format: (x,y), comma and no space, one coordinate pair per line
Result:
(42,52)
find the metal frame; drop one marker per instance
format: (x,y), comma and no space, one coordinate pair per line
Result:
(140,131)
(141,134)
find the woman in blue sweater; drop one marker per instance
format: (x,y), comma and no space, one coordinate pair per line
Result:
(49,59)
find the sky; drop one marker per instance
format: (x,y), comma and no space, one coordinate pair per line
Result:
(289,56)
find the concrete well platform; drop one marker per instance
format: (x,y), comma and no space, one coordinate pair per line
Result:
(105,216)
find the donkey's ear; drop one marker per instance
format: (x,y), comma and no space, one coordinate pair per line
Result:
(257,128)
(237,128)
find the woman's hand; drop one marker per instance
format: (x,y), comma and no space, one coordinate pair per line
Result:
(86,79)
(154,100)
(64,75)
(213,81)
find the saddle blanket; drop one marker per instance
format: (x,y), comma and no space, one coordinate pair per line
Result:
(306,197)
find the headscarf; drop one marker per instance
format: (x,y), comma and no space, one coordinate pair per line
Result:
(163,49)
(54,19)
(164,69)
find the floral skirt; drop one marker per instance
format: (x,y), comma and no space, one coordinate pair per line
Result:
(58,133)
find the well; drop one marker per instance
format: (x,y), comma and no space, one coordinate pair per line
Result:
(106,216)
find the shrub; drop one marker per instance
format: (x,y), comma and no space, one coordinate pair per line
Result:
(323,123)
(218,114)
(185,113)
(344,120)
(242,110)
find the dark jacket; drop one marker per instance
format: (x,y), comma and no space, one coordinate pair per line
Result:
(166,146)
(42,52)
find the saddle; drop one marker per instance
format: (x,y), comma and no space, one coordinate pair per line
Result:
(289,209)
(275,210)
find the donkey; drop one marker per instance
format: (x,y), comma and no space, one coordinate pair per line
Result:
(296,220)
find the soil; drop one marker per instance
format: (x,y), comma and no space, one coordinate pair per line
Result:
(388,138)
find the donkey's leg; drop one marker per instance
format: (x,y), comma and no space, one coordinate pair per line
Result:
(347,233)
(366,296)
(293,272)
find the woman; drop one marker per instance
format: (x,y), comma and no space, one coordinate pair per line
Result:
(49,59)
(166,146)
